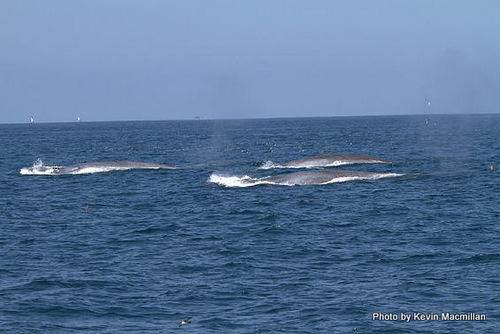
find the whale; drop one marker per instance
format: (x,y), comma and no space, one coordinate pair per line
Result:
(108,166)
(91,167)
(302,178)
(323,177)
(329,160)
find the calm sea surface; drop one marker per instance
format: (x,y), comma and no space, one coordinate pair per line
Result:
(157,246)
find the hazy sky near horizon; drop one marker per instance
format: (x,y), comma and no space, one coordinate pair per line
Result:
(156,60)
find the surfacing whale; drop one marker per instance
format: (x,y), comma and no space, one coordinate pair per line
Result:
(91,167)
(329,160)
(324,177)
(300,178)
(109,166)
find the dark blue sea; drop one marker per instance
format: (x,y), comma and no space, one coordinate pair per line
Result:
(140,250)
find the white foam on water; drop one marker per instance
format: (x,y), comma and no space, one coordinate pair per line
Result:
(270,165)
(233,181)
(39,169)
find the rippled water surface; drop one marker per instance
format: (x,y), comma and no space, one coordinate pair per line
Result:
(139,250)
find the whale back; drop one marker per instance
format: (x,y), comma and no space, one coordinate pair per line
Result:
(319,177)
(335,160)
(93,167)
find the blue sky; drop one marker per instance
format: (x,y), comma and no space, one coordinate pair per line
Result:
(156,60)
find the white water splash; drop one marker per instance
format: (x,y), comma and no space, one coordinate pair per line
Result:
(270,165)
(38,168)
(233,181)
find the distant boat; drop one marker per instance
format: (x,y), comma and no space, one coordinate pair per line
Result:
(32,120)
(78,119)
(197,117)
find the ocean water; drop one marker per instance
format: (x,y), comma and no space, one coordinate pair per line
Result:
(139,250)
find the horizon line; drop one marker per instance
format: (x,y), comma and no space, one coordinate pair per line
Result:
(242,119)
